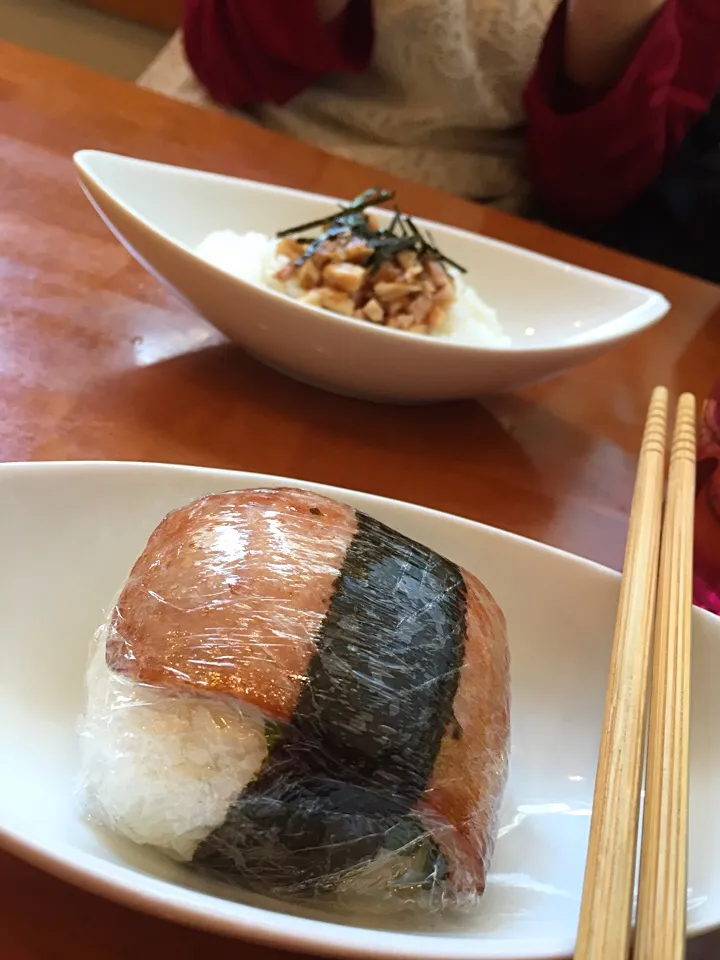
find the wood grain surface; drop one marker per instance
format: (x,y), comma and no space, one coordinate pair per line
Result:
(98,361)
(163,14)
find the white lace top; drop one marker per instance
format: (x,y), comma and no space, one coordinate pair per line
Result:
(440,102)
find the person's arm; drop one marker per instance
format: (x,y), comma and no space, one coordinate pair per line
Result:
(592,152)
(253,51)
(602,36)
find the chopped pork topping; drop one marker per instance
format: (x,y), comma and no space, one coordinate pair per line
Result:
(393,276)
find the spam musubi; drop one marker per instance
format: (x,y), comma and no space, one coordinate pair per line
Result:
(292,696)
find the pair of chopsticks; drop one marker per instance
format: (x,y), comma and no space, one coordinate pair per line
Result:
(650,662)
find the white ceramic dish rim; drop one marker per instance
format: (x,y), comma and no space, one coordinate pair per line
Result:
(639,318)
(235,919)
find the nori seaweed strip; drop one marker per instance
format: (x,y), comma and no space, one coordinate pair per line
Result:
(353,220)
(342,781)
(336,230)
(396,221)
(429,247)
(385,248)
(365,199)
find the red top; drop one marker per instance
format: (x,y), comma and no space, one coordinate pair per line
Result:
(587,158)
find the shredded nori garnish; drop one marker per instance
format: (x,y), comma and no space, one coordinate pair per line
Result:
(353,221)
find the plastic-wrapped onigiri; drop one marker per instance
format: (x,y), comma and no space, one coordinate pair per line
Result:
(294,697)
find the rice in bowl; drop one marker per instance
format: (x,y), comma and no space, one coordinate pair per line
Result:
(413,287)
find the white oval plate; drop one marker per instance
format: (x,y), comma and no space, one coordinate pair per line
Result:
(70,532)
(557,315)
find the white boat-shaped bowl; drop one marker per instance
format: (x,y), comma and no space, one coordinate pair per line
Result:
(556,315)
(70,533)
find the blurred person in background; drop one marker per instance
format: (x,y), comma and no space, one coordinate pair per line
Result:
(596,116)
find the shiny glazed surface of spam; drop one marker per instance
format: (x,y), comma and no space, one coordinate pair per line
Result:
(229,596)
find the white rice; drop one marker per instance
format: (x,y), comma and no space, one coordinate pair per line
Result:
(252,257)
(160,769)
(163,770)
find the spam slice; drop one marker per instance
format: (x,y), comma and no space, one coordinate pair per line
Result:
(382,666)
(230,594)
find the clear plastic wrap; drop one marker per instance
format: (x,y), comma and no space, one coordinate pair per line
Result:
(293,697)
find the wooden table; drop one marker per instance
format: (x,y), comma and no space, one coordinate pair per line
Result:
(163,14)
(97,361)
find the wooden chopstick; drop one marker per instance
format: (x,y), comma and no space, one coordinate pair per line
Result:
(606,909)
(662,889)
